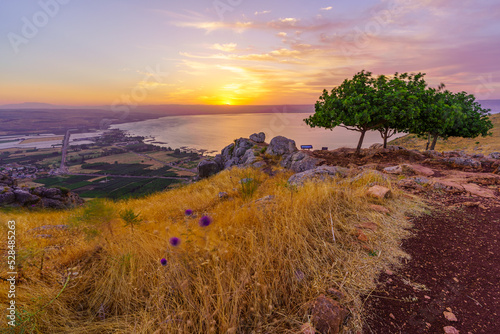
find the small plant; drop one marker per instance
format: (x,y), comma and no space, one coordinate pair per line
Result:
(263,150)
(130,218)
(248,186)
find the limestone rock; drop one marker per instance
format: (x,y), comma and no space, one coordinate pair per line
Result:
(379,192)
(24,197)
(248,158)
(448,186)
(451,330)
(231,162)
(320,173)
(327,315)
(258,137)
(463,162)
(7,197)
(208,168)
(281,145)
(394,170)
(450,316)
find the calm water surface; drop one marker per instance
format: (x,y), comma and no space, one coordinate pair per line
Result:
(214,132)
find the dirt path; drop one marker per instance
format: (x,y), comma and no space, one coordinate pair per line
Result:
(455,250)
(455,267)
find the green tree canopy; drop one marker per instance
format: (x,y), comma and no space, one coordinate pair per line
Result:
(354,105)
(401,103)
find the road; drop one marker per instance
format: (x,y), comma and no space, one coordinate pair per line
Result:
(63,169)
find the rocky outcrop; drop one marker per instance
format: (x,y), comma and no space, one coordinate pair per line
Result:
(208,168)
(248,152)
(40,197)
(243,152)
(281,146)
(300,161)
(463,162)
(258,137)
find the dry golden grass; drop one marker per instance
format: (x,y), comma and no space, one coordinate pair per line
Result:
(254,268)
(484,145)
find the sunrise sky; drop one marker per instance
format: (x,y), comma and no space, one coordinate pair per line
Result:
(98,52)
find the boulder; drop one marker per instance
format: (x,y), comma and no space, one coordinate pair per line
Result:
(227,153)
(248,158)
(463,162)
(243,143)
(231,162)
(239,152)
(379,192)
(208,168)
(24,197)
(52,193)
(421,170)
(258,137)
(319,173)
(7,198)
(305,164)
(394,169)
(327,315)
(448,186)
(281,145)
(52,203)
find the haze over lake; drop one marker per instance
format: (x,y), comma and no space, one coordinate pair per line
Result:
(214,132)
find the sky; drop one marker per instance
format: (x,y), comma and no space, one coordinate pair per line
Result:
(96,52)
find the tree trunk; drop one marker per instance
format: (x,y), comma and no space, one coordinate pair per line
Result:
(385,136)
(358,149)
(428,141)
(434,141)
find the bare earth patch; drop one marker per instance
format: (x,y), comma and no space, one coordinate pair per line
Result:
(454,271)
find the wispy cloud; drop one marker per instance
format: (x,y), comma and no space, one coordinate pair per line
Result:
(326,8)
(229,47)
(262,12)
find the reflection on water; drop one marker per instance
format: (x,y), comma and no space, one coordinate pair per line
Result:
(214,132)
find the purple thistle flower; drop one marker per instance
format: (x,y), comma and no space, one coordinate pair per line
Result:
(188,212)
(205,221)
(163,262)
(174,241)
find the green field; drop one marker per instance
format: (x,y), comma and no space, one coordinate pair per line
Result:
(128,169)
(114,188)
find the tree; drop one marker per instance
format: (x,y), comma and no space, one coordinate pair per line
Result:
(399,99)
(446,114)
(354,105)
